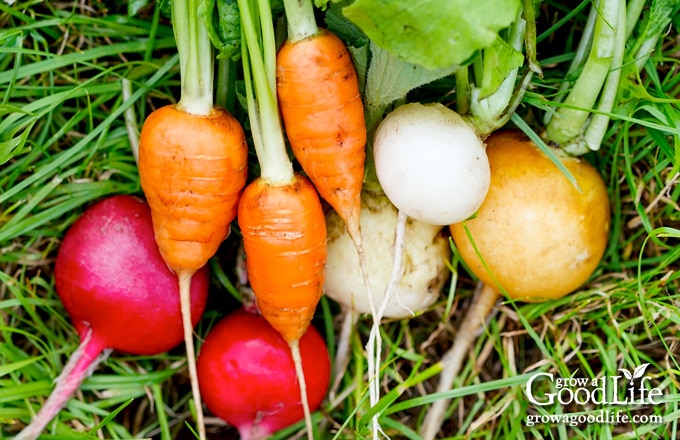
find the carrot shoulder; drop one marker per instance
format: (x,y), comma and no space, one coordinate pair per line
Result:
(192,170)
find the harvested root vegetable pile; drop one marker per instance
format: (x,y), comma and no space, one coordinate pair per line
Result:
(347,219)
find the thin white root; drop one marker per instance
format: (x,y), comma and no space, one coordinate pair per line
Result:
(341,361)
(452,360)
(297,360)
(354,231)
(374,346)
(185,303)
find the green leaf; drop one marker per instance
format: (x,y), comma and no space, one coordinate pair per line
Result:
(165,7)
(346,30)
(434,34)
(15,146)
(222,19)
(8,368)
(389,79)
(360,59)
(652,27)
(6,109)
(500,59)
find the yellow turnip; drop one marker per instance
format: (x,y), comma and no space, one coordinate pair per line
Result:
(538,235)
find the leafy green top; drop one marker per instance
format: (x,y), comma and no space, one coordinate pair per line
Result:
(408,28)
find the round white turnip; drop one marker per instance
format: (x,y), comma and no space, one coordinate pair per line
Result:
(431,163)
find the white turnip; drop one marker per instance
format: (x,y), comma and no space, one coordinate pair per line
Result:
(118,292)
(431,163)
(425,257)
(407,262)
(432,166)
(248,378)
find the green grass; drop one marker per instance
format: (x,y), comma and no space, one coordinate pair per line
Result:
(64,144)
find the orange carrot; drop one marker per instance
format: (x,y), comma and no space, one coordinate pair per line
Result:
(284,237)
(280,213)
(192,167)
(323,116)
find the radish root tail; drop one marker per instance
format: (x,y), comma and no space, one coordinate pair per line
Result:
(80,366)
(452,360)
(297,360)
(185,303)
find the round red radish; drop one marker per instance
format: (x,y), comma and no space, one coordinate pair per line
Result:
(118,292)
(247,376)
(110,277)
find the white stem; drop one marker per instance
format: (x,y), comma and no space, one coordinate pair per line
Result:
(452,361)
(577,61)
(131,120)
(600,121)
(301,22)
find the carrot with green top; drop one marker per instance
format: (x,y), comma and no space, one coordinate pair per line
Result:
(280,214)
(323,115)
(192,167)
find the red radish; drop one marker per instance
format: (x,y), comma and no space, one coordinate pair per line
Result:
(247,375)
(118,292)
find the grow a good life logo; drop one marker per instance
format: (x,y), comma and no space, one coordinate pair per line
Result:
(607,399)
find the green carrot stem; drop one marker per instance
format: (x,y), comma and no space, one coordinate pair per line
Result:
(301,21)
(655,23)
(569,121)
(634,10)
(195,58)
(225,95)
(268,47)
(270,146)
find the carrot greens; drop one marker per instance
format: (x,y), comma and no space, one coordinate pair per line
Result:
(195,52)
(259,67)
